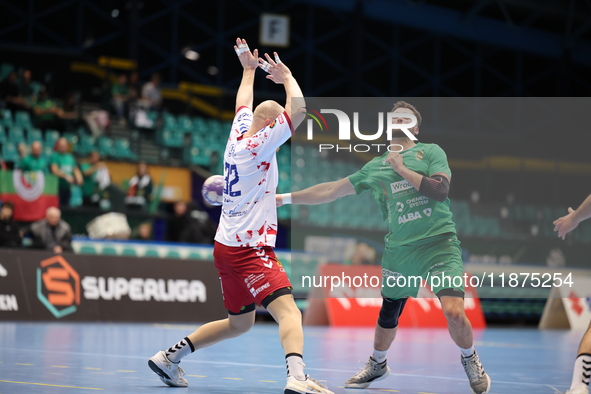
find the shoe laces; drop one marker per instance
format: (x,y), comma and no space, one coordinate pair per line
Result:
(321,383)
(473,367)
(369,367)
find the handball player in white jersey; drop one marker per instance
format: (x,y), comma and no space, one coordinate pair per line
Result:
(250,273)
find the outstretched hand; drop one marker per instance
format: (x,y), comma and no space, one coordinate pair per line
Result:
(247,59)
(566,224)
(278,71)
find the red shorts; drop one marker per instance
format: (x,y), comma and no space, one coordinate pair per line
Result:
(248,274)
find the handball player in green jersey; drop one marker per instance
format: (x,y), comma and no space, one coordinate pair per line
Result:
(411,186)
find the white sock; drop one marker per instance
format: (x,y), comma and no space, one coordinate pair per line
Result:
(467,352)
(582,371)
(379,355)
(295,366)
(176,352)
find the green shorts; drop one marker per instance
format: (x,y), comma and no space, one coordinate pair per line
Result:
(438,260)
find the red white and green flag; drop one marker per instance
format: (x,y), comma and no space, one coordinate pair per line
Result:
(31,192)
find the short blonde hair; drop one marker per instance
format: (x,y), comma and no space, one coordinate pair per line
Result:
(404,104)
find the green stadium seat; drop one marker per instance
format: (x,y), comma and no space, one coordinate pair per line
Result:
(172,138)
(71,137)
(9,152)
(109,251)
(87,249)
(169,121)
(184,123)
(173,254)
(6,117)
(51,136)
(23,119)
(47,152)
(85,145)
(151,253)
(5,69)
(2,134)
(16,134)
(34,135)
(105,146)
(122,149)
(129,252)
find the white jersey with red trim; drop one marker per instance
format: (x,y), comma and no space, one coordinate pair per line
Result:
(249,214)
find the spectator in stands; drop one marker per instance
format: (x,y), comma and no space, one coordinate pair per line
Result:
(35,161)
(9,93)
(140,187)
(52,233)
(96,179)
(143,232)
(23,151)
(151,95)
(189,225)
(10,235)
(47,114)
(26,90)
(63,165)
(120,98)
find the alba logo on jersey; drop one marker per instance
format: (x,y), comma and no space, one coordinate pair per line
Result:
(58,286)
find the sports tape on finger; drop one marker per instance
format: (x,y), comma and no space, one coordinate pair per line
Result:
(265,66)
(277,60)
(241,49)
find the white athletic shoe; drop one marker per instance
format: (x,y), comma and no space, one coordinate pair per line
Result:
(479,381)
(583,389)
(308,386)
(371,372)
(169,372)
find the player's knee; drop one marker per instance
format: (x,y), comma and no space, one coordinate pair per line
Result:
(242,326)
(390,312)
(454,314)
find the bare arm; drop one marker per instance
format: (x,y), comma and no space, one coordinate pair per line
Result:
(245,95)
(321,193)
(567,223)
(55,170)
(279,73)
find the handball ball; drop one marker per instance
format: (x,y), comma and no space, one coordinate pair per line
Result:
(213,189)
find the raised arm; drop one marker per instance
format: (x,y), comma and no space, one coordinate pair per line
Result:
(567,223)
(244,97)
(318,194)
(279,73)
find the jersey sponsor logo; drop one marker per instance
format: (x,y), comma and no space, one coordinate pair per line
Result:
(399,207)
(257,291)
(420,155)
(244,115)
(401,186)
(415,202)
(427,211)
(409,217)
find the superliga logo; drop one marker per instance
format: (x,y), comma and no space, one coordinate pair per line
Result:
(345,127)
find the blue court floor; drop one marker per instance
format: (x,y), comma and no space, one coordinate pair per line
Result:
(112,358)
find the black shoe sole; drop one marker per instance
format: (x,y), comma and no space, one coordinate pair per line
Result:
(156,369)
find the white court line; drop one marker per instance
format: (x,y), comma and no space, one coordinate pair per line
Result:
(273,366)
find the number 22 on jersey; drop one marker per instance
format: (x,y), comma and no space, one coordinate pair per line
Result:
(231,179)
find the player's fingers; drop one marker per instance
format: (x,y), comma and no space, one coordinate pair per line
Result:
(277,60)
(255,53)
(271,61)
(570,210)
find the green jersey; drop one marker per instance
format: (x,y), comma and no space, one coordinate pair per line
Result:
(410,215)
(45,104)
(32,163)
(66,163)
(89,185)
